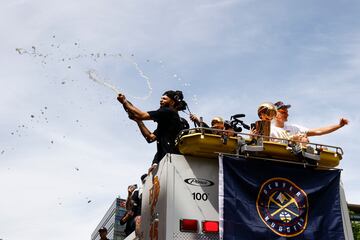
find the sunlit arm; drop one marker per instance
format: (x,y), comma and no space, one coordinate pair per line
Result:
(132,110)
(328,129)
(195,119)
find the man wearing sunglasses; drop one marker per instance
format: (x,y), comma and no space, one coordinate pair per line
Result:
(296,132)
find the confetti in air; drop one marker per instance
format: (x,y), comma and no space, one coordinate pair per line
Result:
(62,56)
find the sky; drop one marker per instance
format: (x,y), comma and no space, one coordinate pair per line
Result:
(67,149)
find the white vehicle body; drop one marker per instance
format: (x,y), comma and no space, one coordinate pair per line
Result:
(185,187)
(188,190)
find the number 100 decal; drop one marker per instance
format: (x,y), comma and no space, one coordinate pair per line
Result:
(200,196)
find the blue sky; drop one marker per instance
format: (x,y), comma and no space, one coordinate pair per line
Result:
(227,57)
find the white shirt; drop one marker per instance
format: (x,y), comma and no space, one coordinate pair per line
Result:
(278,133)
(294,129)
(286,132)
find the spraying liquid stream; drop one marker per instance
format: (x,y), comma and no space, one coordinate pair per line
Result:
(93,76)
(141,73)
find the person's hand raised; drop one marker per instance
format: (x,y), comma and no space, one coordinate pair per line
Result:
(343,122)
(121,98)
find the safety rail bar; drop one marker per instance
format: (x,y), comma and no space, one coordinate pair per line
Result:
(239,135)
(278,160)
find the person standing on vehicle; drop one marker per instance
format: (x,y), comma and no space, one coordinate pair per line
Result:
(169,123)
(296,132)
(216,123)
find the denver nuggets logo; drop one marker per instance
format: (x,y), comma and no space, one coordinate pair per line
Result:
(283,207)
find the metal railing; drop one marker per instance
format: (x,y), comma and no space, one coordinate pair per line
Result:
(255,139)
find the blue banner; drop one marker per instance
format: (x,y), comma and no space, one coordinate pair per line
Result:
(267,200)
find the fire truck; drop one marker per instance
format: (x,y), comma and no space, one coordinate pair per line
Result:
(180,198)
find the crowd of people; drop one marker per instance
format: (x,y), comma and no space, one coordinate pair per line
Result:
(170,124)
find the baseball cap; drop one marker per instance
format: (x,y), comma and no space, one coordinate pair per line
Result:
(103,229)
(280,105)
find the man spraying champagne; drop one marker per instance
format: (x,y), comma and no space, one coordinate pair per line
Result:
(169,123)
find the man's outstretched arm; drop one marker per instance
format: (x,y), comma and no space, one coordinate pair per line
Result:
(132,110)
(328,129)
